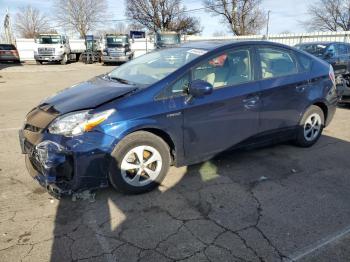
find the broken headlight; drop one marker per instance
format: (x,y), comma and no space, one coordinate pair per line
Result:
(74,124)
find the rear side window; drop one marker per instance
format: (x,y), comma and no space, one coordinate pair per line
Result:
(305,62)
(276,62)
(7,47)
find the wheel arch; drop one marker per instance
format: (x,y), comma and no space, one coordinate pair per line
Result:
(166,137)
(324,108)
(163,135)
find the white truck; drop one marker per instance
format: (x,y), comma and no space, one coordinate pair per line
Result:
(56,47)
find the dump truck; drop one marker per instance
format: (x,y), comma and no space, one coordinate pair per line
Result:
(58,48)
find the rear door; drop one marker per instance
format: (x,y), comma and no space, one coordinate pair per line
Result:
(283,87)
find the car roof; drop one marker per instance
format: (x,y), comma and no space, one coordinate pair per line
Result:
(322,43)
(214,44)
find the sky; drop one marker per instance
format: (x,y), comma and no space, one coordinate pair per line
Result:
(285,14)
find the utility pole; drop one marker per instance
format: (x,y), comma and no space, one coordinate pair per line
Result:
(267,24)
(7,28)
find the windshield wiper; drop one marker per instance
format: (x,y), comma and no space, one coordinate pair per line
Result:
(120,80)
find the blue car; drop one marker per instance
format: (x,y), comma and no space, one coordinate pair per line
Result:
(176,106)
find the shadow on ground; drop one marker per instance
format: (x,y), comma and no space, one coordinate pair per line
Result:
(4,65)
(268,204)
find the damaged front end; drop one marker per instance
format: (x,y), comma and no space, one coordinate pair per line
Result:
(52,166)
(64,165)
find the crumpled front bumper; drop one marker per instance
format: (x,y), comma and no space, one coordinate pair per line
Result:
(68,165)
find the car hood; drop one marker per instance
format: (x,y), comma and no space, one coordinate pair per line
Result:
(86,95)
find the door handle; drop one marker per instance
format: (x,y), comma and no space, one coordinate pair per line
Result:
(300,88)
(251,102)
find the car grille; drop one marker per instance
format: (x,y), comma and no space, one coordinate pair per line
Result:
(32,128)
(116,52)
(46,51)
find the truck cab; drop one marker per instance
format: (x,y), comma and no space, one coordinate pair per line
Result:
(55,47)
(167,39)
(116,48)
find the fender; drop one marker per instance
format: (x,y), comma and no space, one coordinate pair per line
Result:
(125,128)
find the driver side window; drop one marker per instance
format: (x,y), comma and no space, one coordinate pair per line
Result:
(227,69)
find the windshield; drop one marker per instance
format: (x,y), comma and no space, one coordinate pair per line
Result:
(49,39)
(154,66)
(168,39)
(314,49)
(114,41)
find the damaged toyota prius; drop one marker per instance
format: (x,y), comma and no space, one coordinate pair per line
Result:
(175,106)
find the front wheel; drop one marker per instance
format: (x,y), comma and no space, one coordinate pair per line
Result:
(310,127)
(64,59)
(139,163)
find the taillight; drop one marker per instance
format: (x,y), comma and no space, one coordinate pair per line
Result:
(331,75)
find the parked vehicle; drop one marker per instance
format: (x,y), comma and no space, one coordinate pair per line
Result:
(58,48)
(129,125)
(167,39)
(338,55)
(9,53)
(92,53)
(117,49)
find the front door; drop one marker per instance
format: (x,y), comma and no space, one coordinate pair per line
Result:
(230,114)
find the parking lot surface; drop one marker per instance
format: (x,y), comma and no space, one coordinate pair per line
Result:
(280,203)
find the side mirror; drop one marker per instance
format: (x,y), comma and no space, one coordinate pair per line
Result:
(200,88)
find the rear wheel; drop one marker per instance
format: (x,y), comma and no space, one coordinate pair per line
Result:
(310,127)
(139,163)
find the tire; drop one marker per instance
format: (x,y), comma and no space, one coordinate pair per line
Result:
(39,62)
(64,59)
(310,127)
(145,177)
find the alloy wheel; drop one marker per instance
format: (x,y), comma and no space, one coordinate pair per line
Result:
(312,127)
(141,166)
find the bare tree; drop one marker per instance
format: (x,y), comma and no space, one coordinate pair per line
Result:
(243,17)
(30,21)
(162,15)
(121,28)
(80,15)
(329,15)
